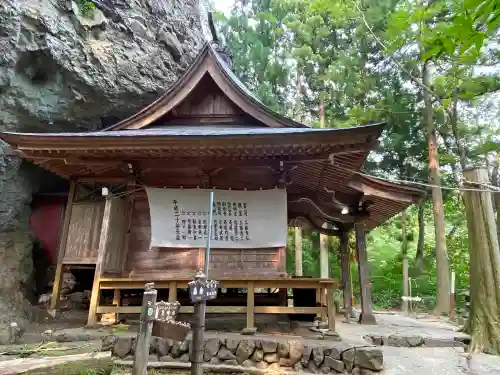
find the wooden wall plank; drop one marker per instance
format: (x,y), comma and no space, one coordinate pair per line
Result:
(142,260)
(116,240)
(84,232)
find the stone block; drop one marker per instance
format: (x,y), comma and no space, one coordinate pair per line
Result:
(211,348)
(306,355)
(184,347)
(258,355)
(108,342)
(231,362)
(271,357)
(312,368)
(318,355)
(269,346)
(261,365)
(215,361)
(325,369)
(225,354)
(163,346)
(248,363)
(176,350)
(334,364)
(249,331)
(123,346)
(370,358)
(283,350)
(232,345)
(443,343)
(245,350)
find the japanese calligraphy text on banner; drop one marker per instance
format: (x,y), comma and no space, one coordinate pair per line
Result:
(241,219)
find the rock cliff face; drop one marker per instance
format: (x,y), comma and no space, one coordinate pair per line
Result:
(63,67)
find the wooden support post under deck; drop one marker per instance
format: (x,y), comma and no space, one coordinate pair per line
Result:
(172,291)
(56,289)
(101,256)
(331,307)
(116,302)
(366,316)
(346,273)
(250,304)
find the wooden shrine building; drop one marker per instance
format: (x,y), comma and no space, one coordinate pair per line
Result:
(209,132)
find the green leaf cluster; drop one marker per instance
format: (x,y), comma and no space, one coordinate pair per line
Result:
(86,8)
(359,62)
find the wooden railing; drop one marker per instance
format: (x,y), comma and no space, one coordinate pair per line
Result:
(324,305)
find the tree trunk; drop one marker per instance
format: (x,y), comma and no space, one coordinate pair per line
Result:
(323,241)
(419,257)
(484,267)
(495,180)
(404,252)
(456,135)
(442,261)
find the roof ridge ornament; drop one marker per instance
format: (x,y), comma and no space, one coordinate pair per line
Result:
(220,49)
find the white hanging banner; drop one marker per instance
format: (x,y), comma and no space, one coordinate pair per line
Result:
(241,219)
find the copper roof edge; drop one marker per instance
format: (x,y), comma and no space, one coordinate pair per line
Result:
(377,129)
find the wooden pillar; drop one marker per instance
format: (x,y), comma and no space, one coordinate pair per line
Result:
(101,257)
(250,304)
(323,255)
(345,265)
(117,299)
(331,307)
(56,289)
(366,316)
(172,291)
(319,302)
(143,339)
(323,264)
(298,252)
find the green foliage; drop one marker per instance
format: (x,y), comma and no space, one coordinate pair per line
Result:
(299,56)
(94,372)
(86,8)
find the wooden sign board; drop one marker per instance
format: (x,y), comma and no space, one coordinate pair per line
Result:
(164,323)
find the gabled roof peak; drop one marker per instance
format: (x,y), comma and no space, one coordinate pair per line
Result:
(212,61)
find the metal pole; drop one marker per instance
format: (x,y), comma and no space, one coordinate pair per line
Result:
(140,366)
(198,339)
(209,236)
(200,308)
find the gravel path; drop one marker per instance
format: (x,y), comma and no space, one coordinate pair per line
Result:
(437,361)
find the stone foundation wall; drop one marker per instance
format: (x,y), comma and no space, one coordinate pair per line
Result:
(326,358)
